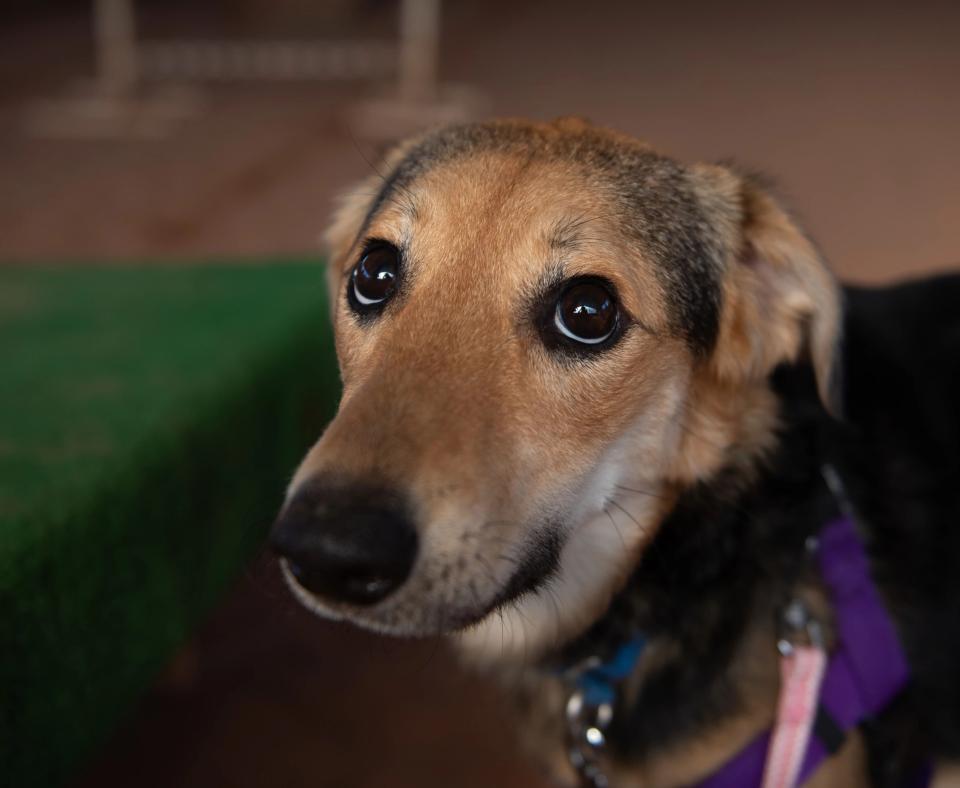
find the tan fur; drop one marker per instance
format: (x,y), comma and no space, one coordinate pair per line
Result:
(947,776)
(725,423)
(780,298)
(452,397)
(846,769)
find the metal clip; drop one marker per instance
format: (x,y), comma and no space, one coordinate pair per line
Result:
(590,707)
(586,730)
(797,624)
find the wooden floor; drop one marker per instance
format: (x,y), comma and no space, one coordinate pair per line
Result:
(855,111)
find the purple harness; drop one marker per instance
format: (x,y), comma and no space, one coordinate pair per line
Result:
(864,674)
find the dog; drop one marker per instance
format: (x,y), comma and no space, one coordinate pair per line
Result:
(589,392)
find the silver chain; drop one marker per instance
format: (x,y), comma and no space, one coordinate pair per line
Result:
(587,725)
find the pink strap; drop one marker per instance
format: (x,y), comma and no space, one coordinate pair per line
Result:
(801,673)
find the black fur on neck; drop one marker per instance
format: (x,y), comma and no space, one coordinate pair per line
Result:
(729,551)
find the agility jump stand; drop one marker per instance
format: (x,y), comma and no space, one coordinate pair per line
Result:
(145,89)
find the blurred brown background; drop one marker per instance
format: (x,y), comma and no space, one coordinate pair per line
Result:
(854,108)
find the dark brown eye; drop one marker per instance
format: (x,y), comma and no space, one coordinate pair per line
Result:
(375,276)
(586,313)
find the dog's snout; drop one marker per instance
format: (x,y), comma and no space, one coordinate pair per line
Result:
(346,544)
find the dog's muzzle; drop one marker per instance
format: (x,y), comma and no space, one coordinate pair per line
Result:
(346,543)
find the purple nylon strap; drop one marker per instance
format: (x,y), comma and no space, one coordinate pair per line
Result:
(865,672)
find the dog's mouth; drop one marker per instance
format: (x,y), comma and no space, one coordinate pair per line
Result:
(540,563)
(422,609)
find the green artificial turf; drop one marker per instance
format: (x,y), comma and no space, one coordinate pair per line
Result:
(149,420)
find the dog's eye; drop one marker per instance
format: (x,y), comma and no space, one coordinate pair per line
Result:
(374,278)
(586,313)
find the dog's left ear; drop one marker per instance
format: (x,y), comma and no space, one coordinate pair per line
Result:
(341,236)
(780,301)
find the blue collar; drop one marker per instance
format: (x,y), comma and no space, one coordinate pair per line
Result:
(599,682)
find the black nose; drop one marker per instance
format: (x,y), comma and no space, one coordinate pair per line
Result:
(346,543)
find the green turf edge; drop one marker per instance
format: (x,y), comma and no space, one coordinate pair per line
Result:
(213,260)
(74,662)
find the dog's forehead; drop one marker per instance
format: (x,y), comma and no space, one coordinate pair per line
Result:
(505,217)
(525,187)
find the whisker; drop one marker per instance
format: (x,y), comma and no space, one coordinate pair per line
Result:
(613,522)
(551,593)
(647,493)
(633,519)
(363,155)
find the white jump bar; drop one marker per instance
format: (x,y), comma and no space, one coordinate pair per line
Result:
(234,61)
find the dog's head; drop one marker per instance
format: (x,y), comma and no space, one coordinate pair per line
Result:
(545,332)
